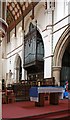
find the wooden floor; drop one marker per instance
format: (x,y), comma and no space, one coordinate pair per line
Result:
(27,111)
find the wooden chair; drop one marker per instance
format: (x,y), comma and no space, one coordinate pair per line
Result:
(10,96)
(3,97)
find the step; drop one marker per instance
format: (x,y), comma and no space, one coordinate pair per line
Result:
(59,115)
(51,116)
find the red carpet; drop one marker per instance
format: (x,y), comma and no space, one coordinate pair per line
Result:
(27,111)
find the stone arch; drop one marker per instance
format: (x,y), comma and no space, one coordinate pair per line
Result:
(40,31)
(38,28)
(61,46)
(17,65)
(59,52)
(34,69)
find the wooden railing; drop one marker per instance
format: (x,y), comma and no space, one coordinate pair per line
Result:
(21,90)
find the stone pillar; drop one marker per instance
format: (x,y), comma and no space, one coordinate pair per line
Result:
(17,74)
(48,46)
(0,82)
(0,100)
(24,74)
(56,74)
(0,61)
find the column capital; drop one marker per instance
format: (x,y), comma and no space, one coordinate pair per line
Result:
(56,68)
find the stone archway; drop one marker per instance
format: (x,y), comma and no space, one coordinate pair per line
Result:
(65,69)
(18,68)
(33,54)
(58,54)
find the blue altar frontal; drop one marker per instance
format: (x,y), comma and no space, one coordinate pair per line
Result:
(34,91)
(37,93)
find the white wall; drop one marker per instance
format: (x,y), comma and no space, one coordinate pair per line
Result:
(60,13)
(14,47)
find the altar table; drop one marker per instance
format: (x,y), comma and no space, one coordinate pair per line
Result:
(37,94)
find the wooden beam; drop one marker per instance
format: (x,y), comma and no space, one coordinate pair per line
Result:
(20,7)
(12,25)
(23,23)
(22,16)
(8,36)
(15,31)
(11,13)
(3,10)
(32,16)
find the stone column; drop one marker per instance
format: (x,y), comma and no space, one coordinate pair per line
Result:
(17,74)
(0,82)
(56,74)
(24,74)
(0,63)
(48,46)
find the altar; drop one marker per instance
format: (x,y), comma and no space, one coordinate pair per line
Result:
(37,94)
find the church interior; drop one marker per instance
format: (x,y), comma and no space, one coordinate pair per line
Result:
(34,59)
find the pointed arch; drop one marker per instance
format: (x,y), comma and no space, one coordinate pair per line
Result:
(58,54)
(18,68)
(61,46)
